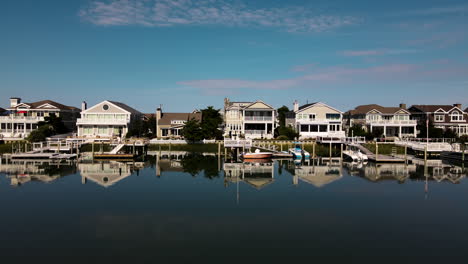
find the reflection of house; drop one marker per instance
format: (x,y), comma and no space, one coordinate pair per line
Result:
(442,116)
(21,118)
(318,176)
(107,119)
(393,121)
(316,120)
(252,119)
(390,172)
(171,124)
(256,174)
(104,174)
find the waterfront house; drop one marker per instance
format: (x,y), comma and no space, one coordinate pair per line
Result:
(442,116)
(249,119)
(393,121)
(18,120)
(170,125)
(107,119)
(316,120)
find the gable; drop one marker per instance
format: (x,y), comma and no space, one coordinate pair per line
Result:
(374,111)
(46,106)
(401,112)
(259,105)
(319,108)
(440,111)
(99,108)
(23,106)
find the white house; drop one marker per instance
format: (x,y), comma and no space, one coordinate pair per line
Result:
(250,119)
(392,121)
(316,120)
(18,120)
(107,119)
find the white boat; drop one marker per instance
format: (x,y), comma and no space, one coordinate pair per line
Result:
(355,156)
(257,155)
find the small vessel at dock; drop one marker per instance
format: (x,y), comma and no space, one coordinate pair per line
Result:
(299,153)
(257,155)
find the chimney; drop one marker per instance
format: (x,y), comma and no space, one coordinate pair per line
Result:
(296,106)
(84,106)
(457,105)
(158,117)
(403,106)
(14,101)
(226,102)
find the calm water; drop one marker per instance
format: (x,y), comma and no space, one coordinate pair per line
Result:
(199,206)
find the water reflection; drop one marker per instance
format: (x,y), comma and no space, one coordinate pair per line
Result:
(20,172)
(316,172)
(256,173)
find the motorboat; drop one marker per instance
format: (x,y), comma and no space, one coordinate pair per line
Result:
(299,153)
(257,154)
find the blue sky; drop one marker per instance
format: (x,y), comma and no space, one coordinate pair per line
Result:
(187,54)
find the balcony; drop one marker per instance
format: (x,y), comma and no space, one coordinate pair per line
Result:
(392,122)
(22,119)
(258,118)
(102,121)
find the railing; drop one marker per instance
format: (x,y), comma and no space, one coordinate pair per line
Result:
(102,121)
(231,143)
(392,122)
(181,141)
(255,132)
(22,118)
(258,118)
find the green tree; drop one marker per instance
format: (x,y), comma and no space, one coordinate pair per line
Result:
(211,121)
(282,111)
(357,131)
(40,134)
(287,132)
(449,133)
(52,125)
(192,130)
(433,131)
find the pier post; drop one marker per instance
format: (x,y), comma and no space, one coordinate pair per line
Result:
(330,151)
(281,146)
(406,154)
(376,151)
(92,148)
(341,152)
(313,150)
(425,154)
(225,152)
(133,151)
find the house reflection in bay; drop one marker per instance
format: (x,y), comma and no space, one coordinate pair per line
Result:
(22,171)
(315,172)
(256,173)
(107,173)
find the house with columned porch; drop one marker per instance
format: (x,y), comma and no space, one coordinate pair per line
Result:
(393,121)
(446,117)
(253,120)
(316,120)
(21,118)
(107,119)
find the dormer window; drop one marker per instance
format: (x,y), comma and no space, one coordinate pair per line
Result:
(456,116)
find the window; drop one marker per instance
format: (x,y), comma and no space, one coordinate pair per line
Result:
(456,116)
(105,107)
(304,128)
(439,118)
(323,128)
(333,116)
(102,130)
(314,128)
(87,130)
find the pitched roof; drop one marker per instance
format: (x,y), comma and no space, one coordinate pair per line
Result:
(166,118)
(306,105)
(124,106)
(432,108)
(60,106)
(148,116)
(2,110)
(364,109)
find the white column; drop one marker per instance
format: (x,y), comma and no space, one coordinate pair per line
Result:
(399,131)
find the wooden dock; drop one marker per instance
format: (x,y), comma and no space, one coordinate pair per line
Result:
(114,156)
(385,158)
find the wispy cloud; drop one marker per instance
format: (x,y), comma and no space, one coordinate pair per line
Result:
(387,73)
(375,52)
(166,13)
(434,11)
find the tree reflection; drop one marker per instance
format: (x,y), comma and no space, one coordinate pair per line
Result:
(195,163)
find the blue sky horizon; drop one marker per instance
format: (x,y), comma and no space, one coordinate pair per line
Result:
(187,54)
